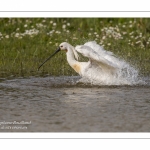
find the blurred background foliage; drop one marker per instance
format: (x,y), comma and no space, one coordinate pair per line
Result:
(26,42)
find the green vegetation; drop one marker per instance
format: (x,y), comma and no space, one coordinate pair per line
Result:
(26,42)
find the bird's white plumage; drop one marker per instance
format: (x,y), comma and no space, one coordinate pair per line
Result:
(102,68)
(95,52)
(94,56)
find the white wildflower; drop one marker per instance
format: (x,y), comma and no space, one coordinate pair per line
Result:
(39,25)
(58,32)
(68,24)
(136,37)
(111,28)
(54,24)
(17,29)
(140,35)
(63,26)
(17,35)
(137,42)
(52,31)
(104,37)
(31,32)
(132,36)
(51,22)
(75,38)
(7,36)
(97,35)
(131,33)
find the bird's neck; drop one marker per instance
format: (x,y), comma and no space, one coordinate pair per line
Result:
(73,62)
(70,57)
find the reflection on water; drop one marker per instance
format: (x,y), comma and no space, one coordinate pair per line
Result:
(59,104)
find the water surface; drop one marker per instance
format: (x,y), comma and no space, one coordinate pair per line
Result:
(60,104)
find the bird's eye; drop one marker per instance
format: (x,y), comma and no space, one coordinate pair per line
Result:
(61,46)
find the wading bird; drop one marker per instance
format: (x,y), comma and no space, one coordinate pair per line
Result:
(102,66)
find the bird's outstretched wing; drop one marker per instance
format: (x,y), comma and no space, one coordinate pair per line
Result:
(94,57)
(99,49)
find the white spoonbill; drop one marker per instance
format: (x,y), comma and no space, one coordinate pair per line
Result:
(102,66)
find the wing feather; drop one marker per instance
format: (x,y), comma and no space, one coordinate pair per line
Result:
(94,57)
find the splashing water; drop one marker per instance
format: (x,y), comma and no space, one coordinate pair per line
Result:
(124,73)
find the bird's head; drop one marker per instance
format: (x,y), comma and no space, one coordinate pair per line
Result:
(64,46)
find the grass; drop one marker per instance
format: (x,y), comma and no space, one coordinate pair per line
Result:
(26,42)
